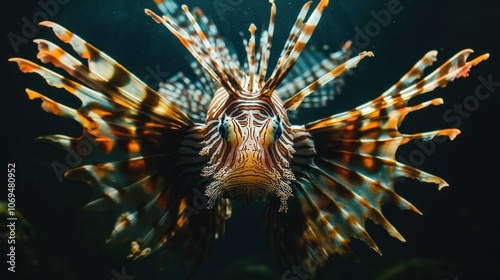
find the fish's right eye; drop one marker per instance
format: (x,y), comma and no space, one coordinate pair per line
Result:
(227,128)
(271,131)
(222,129)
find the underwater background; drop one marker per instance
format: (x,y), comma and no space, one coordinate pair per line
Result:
(454,239)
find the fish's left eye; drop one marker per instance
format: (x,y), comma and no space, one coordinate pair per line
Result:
(279,129)
(271,131)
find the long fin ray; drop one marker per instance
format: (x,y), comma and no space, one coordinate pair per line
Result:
(103,71)
(138,143)
(310,67)
(345,167)
(293,102)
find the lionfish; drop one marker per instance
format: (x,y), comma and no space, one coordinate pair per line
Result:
(171,160)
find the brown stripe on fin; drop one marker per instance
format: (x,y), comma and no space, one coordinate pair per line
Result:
(299,36)
(345,168)
(212,65)
(266,44)
(312,65)
(293,102)
(140,151)
(103,69)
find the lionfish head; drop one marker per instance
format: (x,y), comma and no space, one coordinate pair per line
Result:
(248,138)
(249,145)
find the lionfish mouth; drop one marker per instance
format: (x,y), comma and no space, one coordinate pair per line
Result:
(251,186)
(250,181)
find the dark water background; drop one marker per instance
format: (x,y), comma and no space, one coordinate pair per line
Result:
(454,239)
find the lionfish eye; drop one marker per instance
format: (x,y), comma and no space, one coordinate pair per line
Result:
(279,129)
(271,131)
(227,128)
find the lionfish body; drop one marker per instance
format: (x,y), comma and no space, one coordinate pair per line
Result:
(321,180)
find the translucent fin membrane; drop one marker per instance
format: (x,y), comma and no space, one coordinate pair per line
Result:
(345,167)
(297,40)
(142,159)
(294,102)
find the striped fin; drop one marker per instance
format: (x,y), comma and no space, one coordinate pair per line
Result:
(265,44)
(192,97)
(310,67)
(112,128)
(201,49)
(251,58)
(103,70)
(223,49)
(415,73)
(142,152)
(293,102)
(226,54)
(345,167)
(168,7)
(298,38)
(293,36)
